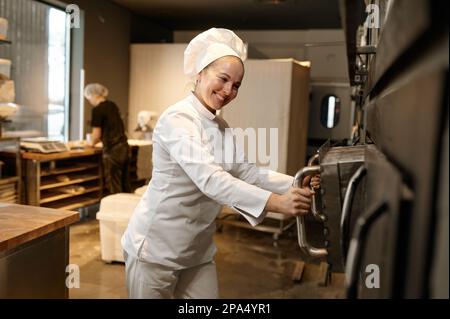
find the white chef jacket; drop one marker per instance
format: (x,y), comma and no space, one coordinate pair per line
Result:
(174,222)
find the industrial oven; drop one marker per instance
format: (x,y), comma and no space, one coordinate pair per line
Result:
(383,201)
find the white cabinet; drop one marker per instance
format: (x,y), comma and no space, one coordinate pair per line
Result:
(274,95)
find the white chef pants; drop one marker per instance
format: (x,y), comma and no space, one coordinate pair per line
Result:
(155,281)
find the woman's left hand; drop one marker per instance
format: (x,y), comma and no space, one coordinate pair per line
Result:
(312,181)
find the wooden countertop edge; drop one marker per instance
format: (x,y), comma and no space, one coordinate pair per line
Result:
(62,155)
(69,154)
(38,232)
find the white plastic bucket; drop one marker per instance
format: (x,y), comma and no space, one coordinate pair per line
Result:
(115,212)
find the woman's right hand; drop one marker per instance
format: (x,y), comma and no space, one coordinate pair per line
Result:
(295,202)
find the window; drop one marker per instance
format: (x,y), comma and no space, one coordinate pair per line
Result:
(329,111)
(39,51)
(57,75)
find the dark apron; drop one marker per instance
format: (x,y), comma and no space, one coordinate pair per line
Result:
(116,168)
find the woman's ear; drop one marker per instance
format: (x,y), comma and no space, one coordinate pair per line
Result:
(197,80)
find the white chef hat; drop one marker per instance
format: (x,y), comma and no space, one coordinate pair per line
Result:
(210,45)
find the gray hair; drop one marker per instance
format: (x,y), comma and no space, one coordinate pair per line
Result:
(95,89)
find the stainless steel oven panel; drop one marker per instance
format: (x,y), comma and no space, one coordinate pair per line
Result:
(337,167)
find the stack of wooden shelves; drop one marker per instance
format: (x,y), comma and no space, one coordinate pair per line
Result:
(68,180)
(10,174)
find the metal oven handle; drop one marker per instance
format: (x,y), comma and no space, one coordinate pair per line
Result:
(357,246)
(301,231)
(346,208)
(313,159)
(317,215)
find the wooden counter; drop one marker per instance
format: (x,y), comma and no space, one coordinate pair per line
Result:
(20,224)
(34,251)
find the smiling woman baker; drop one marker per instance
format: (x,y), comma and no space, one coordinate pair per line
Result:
(168,245)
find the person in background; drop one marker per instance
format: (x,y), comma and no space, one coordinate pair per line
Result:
(108,127)
(168,245)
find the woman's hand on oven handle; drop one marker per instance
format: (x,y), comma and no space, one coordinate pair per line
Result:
(295,202)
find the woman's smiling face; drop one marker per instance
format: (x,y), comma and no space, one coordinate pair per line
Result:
(218,84)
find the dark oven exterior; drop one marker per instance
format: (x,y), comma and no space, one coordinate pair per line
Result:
(383,208)
(405,110)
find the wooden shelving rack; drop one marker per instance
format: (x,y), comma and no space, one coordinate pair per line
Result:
(67,180)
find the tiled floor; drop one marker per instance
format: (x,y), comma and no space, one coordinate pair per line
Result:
(248,264)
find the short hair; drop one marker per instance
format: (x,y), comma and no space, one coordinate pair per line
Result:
(95,89)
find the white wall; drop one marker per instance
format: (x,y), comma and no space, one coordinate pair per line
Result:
(156,78)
